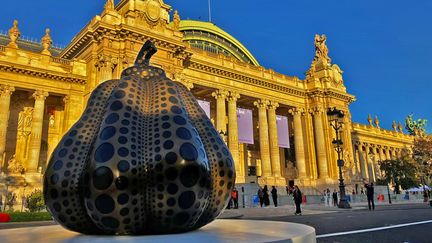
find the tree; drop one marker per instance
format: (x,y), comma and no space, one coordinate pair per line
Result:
(401,172)
(422,155)
(35,201)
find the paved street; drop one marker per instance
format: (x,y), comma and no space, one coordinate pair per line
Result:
(360,218)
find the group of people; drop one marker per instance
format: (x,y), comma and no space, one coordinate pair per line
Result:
(264,196)
(333,195)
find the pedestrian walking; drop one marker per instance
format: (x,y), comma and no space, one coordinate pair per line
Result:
(261,196)
(274,196)
(335,198)
(266,196)
(297,199)
(370,195)
(234,196)
(327,197)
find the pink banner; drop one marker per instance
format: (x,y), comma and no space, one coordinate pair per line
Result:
(205,105)
(283,134)
(245,126)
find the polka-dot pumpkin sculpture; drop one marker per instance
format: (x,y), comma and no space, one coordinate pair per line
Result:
(143,159)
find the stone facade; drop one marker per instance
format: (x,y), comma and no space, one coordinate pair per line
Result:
(43,91)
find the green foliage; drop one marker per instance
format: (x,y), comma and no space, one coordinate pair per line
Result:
(401,172)
(35,201)
(27,216)
(422,154)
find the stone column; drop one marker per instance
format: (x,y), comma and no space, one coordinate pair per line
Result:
(233,143)
(363,162)
(274,142)
(66,102)
(356,159)
(5,96)
(393,153)
(220,96)
(398,152)
(36,131)
(387,152)
(370,159)
(382,158)
(320,142)
(105,67)
(299,142)
(264,139)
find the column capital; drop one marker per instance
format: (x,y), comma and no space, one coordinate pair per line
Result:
(66,99)
(220,94)
(233,96)
(262,103)
(273,105)
(40,94)
(6,90)
(296,111)
(317,110)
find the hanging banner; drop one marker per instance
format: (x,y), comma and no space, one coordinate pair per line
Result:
(205,105)
(283,134)
(245,126)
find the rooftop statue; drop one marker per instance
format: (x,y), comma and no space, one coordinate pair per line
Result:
(143,159)
(321,50)
(415,127)
(14,34)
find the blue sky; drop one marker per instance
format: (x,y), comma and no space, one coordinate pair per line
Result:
(383,47)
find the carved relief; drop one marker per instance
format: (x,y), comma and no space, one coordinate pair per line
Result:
(15,166)
(25,119)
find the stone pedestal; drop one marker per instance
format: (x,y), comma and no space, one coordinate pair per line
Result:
(223,230)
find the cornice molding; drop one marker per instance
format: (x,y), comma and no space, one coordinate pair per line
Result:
(43,74)
(221,72)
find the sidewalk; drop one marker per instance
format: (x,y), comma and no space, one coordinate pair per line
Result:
(307,209)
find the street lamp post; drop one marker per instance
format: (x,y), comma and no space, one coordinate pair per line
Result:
(336,121)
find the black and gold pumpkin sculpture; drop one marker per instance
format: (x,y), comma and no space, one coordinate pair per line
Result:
(143,159)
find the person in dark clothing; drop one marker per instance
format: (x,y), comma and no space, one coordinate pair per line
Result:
(297,199)
(266,196)
(335,198)
(261,196)
(370,195)
(274,195)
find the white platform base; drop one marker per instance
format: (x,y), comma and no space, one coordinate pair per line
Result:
(223,230)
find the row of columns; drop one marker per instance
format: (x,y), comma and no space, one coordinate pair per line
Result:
(368,158)
(269,149)
(36,129)
(268,136)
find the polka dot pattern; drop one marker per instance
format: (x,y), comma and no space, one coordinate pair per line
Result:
(143,158)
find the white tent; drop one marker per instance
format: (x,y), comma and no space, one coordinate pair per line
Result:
(419,189)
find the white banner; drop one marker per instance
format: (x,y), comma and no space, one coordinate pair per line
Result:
(205,105)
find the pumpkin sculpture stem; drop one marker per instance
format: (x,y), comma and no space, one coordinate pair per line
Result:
(146,52)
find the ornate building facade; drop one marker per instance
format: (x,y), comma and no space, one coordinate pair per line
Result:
(43,91)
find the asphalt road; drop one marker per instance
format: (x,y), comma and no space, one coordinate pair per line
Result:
(352,220)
